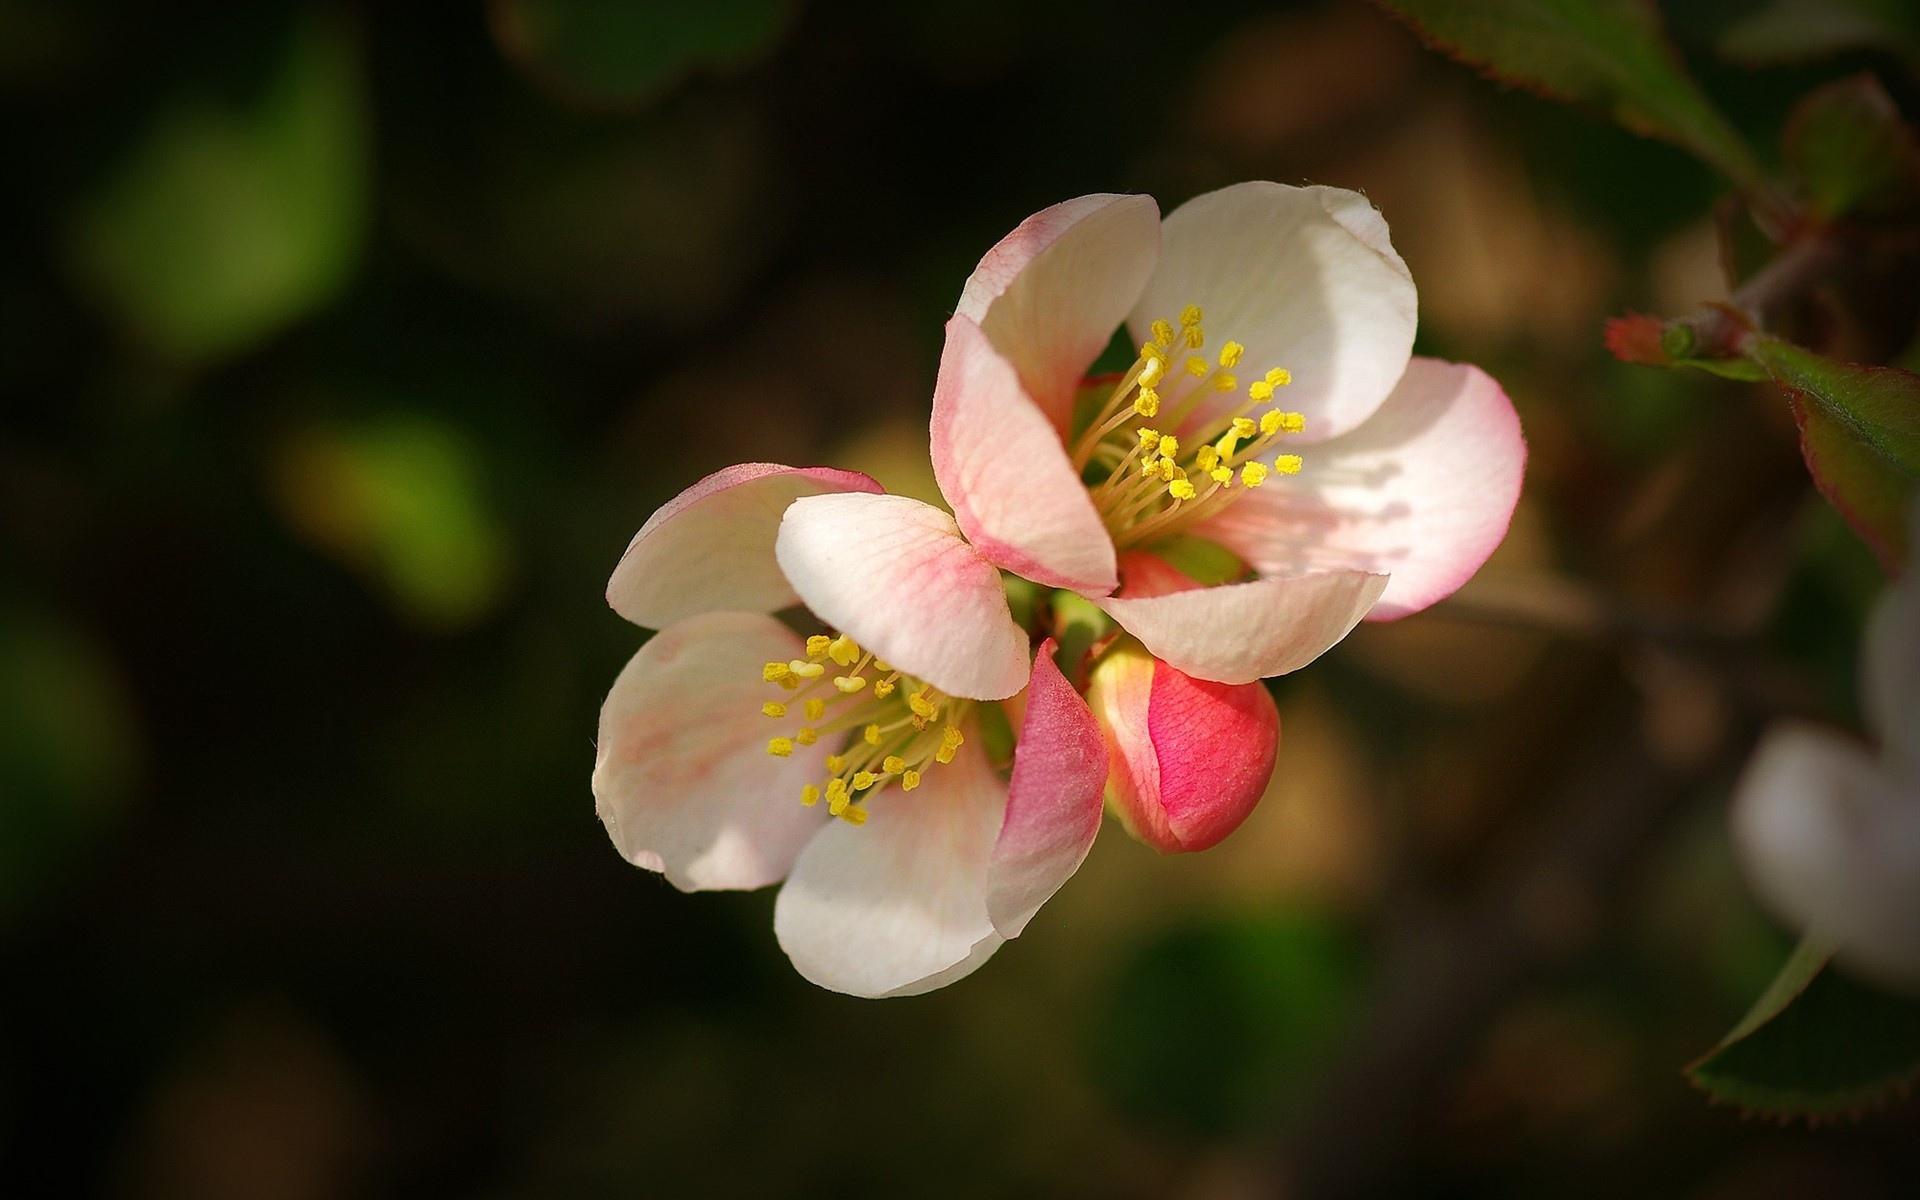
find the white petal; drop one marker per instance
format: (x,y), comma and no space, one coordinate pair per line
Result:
(1831,841)
(898,906)
(1304,278)
(682,780)
(896,576)
(1890,666)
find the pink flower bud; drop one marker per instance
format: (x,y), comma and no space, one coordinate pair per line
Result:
(1187,759)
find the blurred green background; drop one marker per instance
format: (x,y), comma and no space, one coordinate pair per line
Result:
(342,348)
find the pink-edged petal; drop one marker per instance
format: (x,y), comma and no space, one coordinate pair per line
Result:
(1050,295)
(1189,759)
(896,576)
(682,779)
(1890,666)
(1423,491)
(1305,278)
(1002,467)
(711,547)
(1831,842)
(1053,802)
(1240,632)
(898,906)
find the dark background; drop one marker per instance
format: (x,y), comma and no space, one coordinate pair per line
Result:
(343,346)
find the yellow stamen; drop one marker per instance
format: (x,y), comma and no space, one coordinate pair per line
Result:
(807,736)
(775,672)
(849,684)
(1230,354)
(780,747)
(909,780)
(893,764)
(774,709)
(1253,474)
(1288,464)
(1162,333)
(1191,316)
(809,795)
(816,709)
(817,646)
(871,735)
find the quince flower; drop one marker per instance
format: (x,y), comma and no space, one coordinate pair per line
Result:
(730,743)
(1378,487)
(1829,832)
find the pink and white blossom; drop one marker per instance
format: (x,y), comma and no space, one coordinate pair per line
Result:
(731,743)
(1274,409)
(1828,830)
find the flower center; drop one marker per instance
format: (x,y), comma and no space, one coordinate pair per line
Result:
(893,727)
(1147,484)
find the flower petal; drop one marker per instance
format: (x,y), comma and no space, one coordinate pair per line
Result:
(1423,491)
(1004,470)
(1304,278)
(1050,295)
(1831,841)
(1890,665)
(711,547)
(1189,758)
(895,575)
(682,780)
(898,906)
(1240,632)
(1053,803)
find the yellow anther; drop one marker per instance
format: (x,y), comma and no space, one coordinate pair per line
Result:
(1206,458)
(1162,333)
(1197,366)
(1253,474)
(922,707)
(1270,422)
(1149,440)
(951,739)
(871,735)
(1149,465)
(1279,377)
(1228,443)
(1230,354)
(1149,351)
(1151,371)
(1260,390)
(780,747)
(807,736)
(806,670)
(909,781)
(775,672)
(1170,447)
(836,763)
(849,684)
(1222,475)
(882,688)
(855,815)
(1181,489)
(1288,464)
(893,764)
(1293,422)
(1147,403)
(843,651)
(1170,470)
(862,780)
(1191,316)
(837,797)
(1244,427)
(817,646)
(1194,337)
(810,795)
(882,667)
(816,709)
(1225,382)
(774,709)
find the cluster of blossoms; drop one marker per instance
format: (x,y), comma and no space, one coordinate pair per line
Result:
(923,770)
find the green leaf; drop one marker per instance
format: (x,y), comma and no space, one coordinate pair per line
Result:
(225,222)
(1609,53)
(616,53)
(1879,405)
(1797,30)
(1815,1044)
(1851,152)
(398,499)
(1870,493)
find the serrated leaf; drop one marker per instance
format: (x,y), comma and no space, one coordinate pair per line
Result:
(1879,405)
(1850,151)
(1870,493)
(1609,53)
(616,53)
(1815,1044)
(226,222)
(1797,30)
